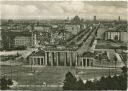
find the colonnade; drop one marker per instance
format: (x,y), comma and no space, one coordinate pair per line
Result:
(87,62)
(58,58)
(61,58)
(37,60)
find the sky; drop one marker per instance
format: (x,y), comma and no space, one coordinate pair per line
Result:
(63,9)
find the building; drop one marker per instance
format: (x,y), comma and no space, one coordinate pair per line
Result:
(59,36)
(22,41)
(60,56)
(33,41)
(37,58)
(42,28)
(54,57)
(15,39)
(87,59)
(116,35)
(124,37)
(74,29)
(41,38)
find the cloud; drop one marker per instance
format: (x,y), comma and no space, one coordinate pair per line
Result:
(16,11)
(62,9)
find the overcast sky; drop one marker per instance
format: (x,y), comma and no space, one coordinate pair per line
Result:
(63,9)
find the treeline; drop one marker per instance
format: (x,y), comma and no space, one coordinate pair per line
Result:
(13,48)
(5,83)
(9,57)
(104,83)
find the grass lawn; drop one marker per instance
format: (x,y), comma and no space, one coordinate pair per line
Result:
(51,75)
(38,88)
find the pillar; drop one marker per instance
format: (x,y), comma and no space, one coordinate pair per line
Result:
(76,59)
(33,61)
(70,59)
(86,62)
(51,59)
(57,63)
(40,61)
(82,62)
(30,61)
(89,62)
(58,58)
(46,58)
(43,61)
(65,59)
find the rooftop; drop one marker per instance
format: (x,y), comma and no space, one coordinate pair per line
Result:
(38,53)
(60,48)
(24,33)
(116,30)
(88,54)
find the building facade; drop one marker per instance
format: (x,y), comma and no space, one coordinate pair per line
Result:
(48,57)
(124,37)
(87,59)
(53,58)
(22,41)
(114,35)
(74,29)
(37,58)
(43,28)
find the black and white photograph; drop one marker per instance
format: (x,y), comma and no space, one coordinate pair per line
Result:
(49,45)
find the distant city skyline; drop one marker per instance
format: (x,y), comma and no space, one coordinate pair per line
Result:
(63,9)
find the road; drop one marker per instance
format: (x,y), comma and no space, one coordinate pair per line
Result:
(80,34)
(86,41)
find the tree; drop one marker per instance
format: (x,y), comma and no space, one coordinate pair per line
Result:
(102,84)
(4,83)
(105,83)
(122,80)
(9,81)
(124,70)
(115,59)
(80,85)
(69,82)
(89,85)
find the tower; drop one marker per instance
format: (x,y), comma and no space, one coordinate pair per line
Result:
(119,18)
(34,42)
(94,18)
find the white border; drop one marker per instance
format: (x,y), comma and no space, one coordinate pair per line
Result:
(64,0)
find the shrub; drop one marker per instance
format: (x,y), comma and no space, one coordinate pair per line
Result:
(4,83)
(105,83)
